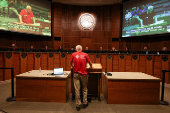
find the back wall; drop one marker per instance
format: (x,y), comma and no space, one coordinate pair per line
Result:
(107,26)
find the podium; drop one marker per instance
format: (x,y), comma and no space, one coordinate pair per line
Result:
(94,81)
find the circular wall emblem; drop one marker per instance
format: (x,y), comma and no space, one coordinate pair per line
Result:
(37,55)
(109,56)
(51,55)
(165,58)
(135,57)
(97,56)
(121,57)
(23,55)
(86,21)
(149,58)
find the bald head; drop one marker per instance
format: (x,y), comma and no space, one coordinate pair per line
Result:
(87,48)
(164,49)
(78,48)
(13,46)
(28,8)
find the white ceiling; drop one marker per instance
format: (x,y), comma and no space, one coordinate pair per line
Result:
(88,2)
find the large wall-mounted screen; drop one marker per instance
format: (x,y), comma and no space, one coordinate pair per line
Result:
(145,17)
(26,16)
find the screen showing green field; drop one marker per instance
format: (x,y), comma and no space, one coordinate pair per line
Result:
(145,17)
(26,16)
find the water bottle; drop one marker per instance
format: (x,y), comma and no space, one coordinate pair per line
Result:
(40,70)
(158,52)
(146,52)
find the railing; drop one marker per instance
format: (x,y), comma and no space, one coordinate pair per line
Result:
(22,62)
(162,102)
(12,98)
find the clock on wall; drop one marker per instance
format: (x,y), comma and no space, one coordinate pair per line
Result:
(86,21)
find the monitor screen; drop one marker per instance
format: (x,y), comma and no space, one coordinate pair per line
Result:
(145,17)
(26,16)
(58,71)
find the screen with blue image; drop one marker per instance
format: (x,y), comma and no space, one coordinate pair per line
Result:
(145,17)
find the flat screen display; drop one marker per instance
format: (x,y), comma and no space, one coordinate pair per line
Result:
(145,17)
(26,16)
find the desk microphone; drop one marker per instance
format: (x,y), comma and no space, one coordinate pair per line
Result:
(108,74)
(105,72)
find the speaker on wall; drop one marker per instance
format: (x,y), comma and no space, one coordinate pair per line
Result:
(115,39)
(57,38)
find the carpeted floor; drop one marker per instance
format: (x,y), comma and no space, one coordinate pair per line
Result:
(94,107)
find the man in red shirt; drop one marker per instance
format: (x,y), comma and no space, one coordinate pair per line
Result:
(78,61)
(26,16)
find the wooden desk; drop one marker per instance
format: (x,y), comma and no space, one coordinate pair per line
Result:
(131,88)
(94,81)
(40,87)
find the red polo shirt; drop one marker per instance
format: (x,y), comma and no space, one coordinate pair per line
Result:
(79,59)
(26,17)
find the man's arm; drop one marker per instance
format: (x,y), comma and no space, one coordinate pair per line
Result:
(20,19)
(33,19)
(71,64)
(90,63)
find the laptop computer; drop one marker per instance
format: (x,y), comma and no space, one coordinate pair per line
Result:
(58,72)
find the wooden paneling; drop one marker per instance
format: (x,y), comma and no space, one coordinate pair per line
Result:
(37,61)
(97,59)
(63,59)
(142,63)
(128,62)
(50,61)
(57,20)
(131,92)
(30,61)
(109,63)
(115,63)
(44,59)
(103,62)
(149,65)
(157,66)
(15,63)
(92,57)
(1,66)
(86,42)
(100,35)
(8,64)
(122,63)
(39,90)
(135,63)
(23,63)
(68,68)
(56,60)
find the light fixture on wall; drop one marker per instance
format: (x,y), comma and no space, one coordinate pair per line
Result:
(86,21)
